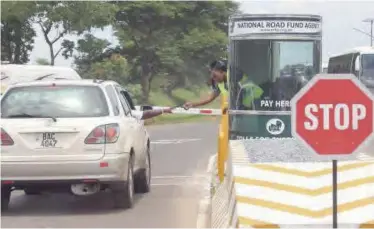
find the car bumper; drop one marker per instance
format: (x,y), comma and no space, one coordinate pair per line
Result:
(112,167)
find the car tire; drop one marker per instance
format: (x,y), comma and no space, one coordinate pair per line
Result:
(123,192)
(143,176)
(28,191)
(5,198)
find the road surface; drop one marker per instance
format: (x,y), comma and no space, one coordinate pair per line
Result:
(180,155)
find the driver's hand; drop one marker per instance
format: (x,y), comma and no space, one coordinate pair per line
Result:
(188,105)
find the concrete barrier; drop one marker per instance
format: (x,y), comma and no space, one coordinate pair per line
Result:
(260,194)
(223,201)
(217,207)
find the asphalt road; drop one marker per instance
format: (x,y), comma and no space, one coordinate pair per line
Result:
(180,155)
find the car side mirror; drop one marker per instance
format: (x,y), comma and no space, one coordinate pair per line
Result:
(146,108)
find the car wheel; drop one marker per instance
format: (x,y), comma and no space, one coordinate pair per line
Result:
(29,191)
(123,192)
(5,198)
(143,176)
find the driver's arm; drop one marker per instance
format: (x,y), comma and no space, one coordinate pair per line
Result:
(151,113)
(142,115)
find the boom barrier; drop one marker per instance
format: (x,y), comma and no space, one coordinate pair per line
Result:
(197,111)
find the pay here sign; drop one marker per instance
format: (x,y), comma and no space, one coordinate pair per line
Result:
(333,116)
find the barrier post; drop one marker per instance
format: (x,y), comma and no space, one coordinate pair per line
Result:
(220,158)
(222,140)
(225,122)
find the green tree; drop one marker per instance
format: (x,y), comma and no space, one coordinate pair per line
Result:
(114,68)
(90,50)
(17,33)
(96,60)
(70,17)
(172,39)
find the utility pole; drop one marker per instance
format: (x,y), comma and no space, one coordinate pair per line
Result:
(370,20)
(363,32)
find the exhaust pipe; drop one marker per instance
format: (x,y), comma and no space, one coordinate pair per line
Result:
(85,189)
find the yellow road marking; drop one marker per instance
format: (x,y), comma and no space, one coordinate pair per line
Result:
(304,191)
(303,211)
(256,223)
(369,224)
(317,173)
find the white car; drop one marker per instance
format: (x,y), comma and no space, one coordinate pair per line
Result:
(77,136)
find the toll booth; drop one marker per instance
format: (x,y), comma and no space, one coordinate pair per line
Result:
(271,57)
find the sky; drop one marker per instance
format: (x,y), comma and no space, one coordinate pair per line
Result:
(339,20)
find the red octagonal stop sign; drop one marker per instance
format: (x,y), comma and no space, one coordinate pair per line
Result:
(333,114)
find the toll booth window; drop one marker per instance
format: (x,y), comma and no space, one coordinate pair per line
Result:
(266,74)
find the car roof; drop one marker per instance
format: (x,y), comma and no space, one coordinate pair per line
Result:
(63,82)
(67,82)
(33,66)
(15,73)
(82,82)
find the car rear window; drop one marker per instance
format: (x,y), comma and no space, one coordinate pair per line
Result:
(64,101)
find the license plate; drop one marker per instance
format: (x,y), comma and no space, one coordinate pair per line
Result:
(48,140)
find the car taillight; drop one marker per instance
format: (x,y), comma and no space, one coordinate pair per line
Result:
(103,134)
(6,140)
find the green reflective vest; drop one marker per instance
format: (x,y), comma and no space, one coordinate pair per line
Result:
(250,90)
(222,87)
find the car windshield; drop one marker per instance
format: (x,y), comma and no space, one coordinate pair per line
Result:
(61,101)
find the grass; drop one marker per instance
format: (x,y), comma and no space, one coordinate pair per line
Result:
(178,97)
(157,98)
(181,118)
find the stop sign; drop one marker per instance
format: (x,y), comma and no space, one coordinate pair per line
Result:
(333,114)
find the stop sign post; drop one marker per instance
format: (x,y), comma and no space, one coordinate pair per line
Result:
(333,115)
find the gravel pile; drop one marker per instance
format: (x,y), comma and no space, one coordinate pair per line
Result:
(278,150)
